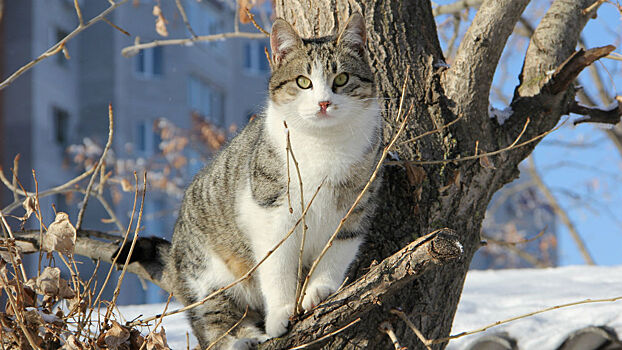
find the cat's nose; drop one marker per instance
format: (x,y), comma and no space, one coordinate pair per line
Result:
(324,105)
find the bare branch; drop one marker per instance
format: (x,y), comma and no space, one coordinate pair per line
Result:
(102,159)
(130,51)
(185,18)
(468,80)
(59,45)
(597,115)
(456,7)
(553,41)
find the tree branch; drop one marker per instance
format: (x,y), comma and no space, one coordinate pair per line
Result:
(469,79)
(368,292)
(553,41)
(455,7)
(597,115)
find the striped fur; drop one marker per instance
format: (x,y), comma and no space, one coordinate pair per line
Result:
(235,210)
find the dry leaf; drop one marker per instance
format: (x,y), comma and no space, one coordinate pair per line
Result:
(117,336)
(157,341)
(160,21)
(136,340)
(49,283)
(244,5)
(455,180)
(30,205)
(72,344)
(60,236)
(126,186)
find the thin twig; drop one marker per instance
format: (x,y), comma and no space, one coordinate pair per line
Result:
(479,330)
(522,241)
(134,49)
(412,326)
(241,279)
(478,156)
(212,344)
(59,45)
(324,337)
(290,151)
(388,329)
(252,18)
(184,17)
(115,26)
(15,172)
(78,12)
(115,295)
(102,159)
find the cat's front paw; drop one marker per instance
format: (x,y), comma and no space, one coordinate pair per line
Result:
(277,320)
(316,293)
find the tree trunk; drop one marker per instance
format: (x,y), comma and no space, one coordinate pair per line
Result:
(417,198)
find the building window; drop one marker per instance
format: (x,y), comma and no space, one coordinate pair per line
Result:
(255,59)
(147,139)
(149,62)
(207,100)
(60,120)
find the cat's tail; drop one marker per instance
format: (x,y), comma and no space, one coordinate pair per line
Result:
(150,252)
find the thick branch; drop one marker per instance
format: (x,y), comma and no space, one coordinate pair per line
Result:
(92,248)
(470,77)
(370,290)
(597,115)
(553,41)
(568,71)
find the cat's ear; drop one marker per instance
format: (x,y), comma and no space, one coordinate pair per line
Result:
(283,40)
(354,34)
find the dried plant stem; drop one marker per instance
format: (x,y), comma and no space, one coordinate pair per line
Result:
(324,337)
(78,12)
(19,316)
(159,321)
(184,17)
(252,18)
(59,45)
(115,295)
(10,232)
(479,330)
(388,329)
(212,344)
(574,233)
(101,161)
(241,279)
(482,155)
(15,172)
(132,50)
(288,149)
(412,326)
(373,176)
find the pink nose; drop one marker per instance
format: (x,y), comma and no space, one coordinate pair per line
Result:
(324,105)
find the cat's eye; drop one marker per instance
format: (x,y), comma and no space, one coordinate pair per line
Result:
(303,82)
(341,79)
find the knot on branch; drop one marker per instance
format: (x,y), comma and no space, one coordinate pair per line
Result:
(445,246)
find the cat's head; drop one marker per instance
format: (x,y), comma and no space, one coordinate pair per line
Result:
(321,82)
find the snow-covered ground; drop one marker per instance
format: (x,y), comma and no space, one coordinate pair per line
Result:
(491,296)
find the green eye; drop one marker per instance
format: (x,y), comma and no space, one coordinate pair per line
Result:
(341,79)
(303,82)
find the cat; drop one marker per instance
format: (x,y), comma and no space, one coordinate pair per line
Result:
(236,209)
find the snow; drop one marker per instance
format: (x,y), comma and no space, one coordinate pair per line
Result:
(496,295)
(501,114)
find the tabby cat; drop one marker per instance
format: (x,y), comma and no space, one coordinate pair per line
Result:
(236,209)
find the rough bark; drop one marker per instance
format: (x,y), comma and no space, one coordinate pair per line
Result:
(418,198)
